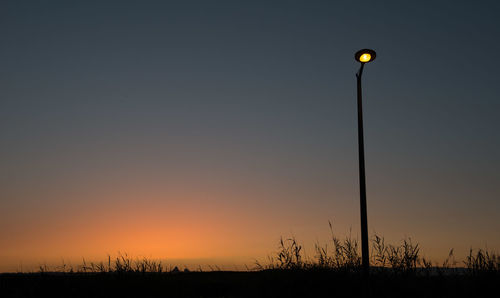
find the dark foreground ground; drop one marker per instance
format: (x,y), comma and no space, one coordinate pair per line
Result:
(267,283)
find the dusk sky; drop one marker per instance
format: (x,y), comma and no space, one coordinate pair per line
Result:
(202,131)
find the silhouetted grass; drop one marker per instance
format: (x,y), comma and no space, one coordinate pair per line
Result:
(398,270)
(402,258)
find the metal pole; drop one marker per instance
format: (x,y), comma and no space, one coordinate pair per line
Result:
(362,183)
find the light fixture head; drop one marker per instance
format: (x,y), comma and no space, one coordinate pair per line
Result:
(365,55)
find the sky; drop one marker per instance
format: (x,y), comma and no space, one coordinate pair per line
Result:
(203,131)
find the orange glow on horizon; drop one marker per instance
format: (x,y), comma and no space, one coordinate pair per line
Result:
(197,227)
(192,227)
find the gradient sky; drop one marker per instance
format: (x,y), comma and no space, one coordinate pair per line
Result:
(205,130)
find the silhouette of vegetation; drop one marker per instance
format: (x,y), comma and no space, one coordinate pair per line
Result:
(398,270)
(482,261)
(403,258)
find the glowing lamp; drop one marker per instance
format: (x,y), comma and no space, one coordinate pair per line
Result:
(365,55)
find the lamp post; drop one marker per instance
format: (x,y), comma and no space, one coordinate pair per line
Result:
(363,56)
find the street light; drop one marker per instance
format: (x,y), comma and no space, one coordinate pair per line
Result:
(363,56)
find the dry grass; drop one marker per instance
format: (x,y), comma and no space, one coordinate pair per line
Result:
(398,270)
(482,261)
(122,263)
(402,258)
(341,255)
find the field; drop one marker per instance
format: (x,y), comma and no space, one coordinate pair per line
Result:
(397,271)
(265,283)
